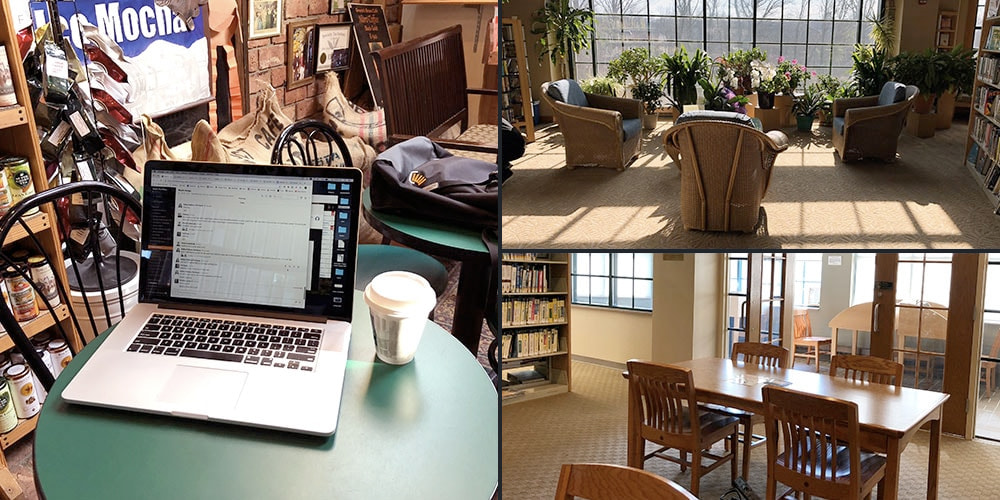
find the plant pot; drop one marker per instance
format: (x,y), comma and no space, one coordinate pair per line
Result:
(945,110)
(649,120)
(784,103)
(923,103)
(765,100)
(804,122)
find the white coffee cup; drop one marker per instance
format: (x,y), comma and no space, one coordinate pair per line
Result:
(399,302)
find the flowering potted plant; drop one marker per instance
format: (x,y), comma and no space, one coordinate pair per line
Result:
(794,74)
(735,68)
(764,81)
(718,97)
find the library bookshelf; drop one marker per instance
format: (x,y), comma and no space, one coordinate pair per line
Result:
(535,326)
(982,154)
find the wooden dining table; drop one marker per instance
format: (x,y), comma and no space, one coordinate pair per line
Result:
(889,416)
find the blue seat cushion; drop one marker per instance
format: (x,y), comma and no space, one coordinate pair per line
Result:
(632,127)
(724,116)
(838,124)
(892,93)
(568,91)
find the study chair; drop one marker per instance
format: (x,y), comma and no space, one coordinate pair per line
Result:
(821,446)
(615,482)
(763,356)
(867,368)
(663,409)
(95,221)
(804,338)
(315,143)
(989,367)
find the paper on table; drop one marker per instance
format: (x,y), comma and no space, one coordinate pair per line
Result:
(755,380)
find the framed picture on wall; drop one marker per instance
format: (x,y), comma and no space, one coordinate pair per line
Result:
(265,18)
(333,47)
(301,60)
(338,6)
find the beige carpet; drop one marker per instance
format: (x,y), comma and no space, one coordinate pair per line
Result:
(588,425)
(926,199)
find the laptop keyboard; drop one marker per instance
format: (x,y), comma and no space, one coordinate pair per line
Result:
(263,344)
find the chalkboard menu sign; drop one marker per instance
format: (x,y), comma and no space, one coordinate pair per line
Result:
(371,33)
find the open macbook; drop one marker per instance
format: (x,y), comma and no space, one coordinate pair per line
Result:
(246,285)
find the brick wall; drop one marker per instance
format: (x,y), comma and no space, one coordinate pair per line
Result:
(266,56)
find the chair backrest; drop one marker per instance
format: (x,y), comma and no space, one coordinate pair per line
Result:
(867,368)
(310,142)
(662,405)
(567,92)
(424,84)
(812,427)
(760,354)
(99,224)
(803,327)
(615,482)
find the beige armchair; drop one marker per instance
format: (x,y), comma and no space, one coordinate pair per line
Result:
(725,166)
(869,127)
(598,130)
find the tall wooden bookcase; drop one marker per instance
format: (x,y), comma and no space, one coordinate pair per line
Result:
(515,89)
(535,327)
(947,30)
(19,137)
(982,154)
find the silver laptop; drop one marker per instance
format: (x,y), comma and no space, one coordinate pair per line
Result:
(246,284)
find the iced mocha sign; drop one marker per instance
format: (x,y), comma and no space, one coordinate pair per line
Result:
(170,60)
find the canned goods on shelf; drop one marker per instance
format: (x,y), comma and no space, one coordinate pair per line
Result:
(22,389)
(61,355)
(42,275)
(21,295)
(17,172)
(8,416)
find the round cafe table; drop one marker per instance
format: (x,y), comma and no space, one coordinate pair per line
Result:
(428,429)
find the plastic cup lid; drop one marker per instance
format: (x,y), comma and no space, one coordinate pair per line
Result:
(400,291)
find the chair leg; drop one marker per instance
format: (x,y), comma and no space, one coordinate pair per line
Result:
(747,442)
(771,486)
(732,456)
(684,457)
(695,472)
(880,495)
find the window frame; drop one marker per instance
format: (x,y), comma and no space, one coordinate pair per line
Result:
(612,278)
(800,278)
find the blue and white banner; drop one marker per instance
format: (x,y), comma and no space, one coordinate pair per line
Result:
(170,62)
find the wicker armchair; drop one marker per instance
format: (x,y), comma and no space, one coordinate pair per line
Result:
(725,166)
(598,130)
(869,127)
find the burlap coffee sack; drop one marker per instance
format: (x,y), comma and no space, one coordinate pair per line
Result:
(350,120)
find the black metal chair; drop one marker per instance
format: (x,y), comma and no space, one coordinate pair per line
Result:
(304,143)
(94,221)
(310,142)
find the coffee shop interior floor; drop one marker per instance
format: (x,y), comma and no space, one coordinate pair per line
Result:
(19,456)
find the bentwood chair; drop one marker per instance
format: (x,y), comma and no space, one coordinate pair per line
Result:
(98,223)
(663,409)
(615,482)
(805,338)
(315,143)
(821,446)
(764,356)
(867,368)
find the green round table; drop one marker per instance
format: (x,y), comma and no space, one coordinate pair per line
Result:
(428,429)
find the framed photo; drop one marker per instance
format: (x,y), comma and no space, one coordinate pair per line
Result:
(301,60)
(338,6)
(265,18)
(371,33)
(333,47)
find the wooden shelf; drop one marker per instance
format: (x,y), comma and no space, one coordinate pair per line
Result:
(11,116)
(538,261)
(512,394)
(37,223)
(535,325)
(536,356)
(23,428)
(36,326)
(980,180)
(531,294)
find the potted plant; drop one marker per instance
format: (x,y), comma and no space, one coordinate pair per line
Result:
(870,69)
(960,74)
(683,72)
(565,30)
(718,97)
(927,71)
(766,84)
(602,85)
(831,88)
(735,69)
(806,106)
(650,94)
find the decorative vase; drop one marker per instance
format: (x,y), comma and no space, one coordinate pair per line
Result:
(945,110)
(923,103)
(804,122)
(649,120)
(765,100)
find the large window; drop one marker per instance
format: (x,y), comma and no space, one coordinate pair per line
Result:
(622,280)
(818,33)
(980,13)
(808,279)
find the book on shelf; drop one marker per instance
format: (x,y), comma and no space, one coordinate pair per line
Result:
(991,8)
(525,376)
(533,311)
(945,23)
(524,278)
(993,41)
(529,343)
(525,256)
(973,153)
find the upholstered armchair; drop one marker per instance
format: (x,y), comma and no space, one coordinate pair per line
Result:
(598,130)
(725,165)
(869,127)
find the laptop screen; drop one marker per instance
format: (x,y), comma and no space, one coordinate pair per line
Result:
(254,237)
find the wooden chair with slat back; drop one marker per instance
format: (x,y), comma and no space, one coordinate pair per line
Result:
(867,368)
(804,338)
(989,367)
(662,408)
(821,441)
(99,225)
(615,482)
(764,356)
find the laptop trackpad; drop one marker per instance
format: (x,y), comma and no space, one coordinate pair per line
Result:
(201,391)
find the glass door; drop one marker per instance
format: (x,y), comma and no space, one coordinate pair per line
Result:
(756,290)
(772,297)
(737,300)
(923,288)
(988,402)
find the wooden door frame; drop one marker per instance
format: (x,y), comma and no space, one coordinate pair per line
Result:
(755,268)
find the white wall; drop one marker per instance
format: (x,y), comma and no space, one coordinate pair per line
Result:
(611,334)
